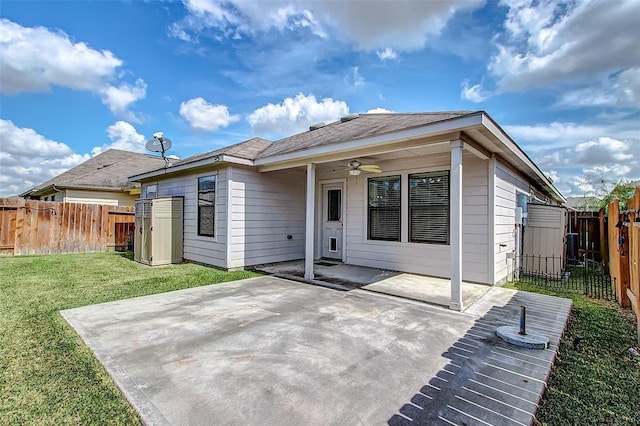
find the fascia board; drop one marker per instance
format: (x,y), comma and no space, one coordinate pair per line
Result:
(497,131)
(223,158)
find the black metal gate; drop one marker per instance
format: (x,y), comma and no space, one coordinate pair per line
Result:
(585,275)
(597,283)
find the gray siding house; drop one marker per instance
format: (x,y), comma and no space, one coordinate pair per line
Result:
(442,200)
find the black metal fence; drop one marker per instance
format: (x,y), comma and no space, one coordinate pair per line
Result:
(583,274)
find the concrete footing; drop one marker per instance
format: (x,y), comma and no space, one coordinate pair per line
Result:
(511,334)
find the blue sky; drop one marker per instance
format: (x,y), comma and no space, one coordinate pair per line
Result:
(76,78)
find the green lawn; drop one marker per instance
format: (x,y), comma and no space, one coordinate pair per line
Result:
(599,382)
(47,375)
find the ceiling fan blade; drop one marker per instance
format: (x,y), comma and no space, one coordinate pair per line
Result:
(370,168)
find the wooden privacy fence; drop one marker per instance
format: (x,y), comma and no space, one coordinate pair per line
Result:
(586,227)
(624,252)
(47,227)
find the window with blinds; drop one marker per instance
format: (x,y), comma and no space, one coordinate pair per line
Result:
(384,208)
(206,205)
(429,207)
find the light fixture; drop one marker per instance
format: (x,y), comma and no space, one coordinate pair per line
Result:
(354,172)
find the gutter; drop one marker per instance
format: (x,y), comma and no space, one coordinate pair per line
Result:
(510,144)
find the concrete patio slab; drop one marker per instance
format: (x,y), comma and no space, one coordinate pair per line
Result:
(270,351)
(433,290)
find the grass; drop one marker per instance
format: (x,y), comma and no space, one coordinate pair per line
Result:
(599,382)
(47,374)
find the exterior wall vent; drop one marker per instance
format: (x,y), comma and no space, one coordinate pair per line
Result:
(317,126)
(349,117)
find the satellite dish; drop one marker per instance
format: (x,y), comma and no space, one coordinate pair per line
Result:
(159,143)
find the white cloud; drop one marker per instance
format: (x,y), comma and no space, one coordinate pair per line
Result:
(123,136)
(473,93)
(556,133)
(354,78)
(387,54)
(379,110)
(620,170)
(295,114)
(576,152)
(34,59)
(204,116)
(601,151)
(620,90)
(570,43)
(603,156)
(370,25)
(28,158)
(119,98)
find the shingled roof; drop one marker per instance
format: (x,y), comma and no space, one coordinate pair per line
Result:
(248,150)
(107,171)
(358,127)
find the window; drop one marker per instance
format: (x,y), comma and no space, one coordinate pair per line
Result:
(384,208)
(206,205)
(429,207)
(151,191)
(334,207)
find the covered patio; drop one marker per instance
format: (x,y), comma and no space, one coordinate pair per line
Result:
(337,275)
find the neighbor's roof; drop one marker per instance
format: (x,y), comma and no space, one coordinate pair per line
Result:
(248,150)
(583,203)
(107,171)
(366,125)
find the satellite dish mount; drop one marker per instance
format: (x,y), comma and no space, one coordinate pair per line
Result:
(159,144)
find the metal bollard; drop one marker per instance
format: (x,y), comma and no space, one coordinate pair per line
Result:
(523,320)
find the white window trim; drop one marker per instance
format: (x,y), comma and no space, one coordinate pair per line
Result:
(216,232)
(146,185)
(366,206)
(404,207)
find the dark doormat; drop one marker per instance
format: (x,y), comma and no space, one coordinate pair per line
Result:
(322,263)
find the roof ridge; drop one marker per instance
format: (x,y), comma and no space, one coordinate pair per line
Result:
(462,111)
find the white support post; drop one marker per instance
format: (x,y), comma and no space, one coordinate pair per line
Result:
(456,225)
(309,224)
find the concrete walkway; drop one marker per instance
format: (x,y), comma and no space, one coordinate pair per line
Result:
(432,290)
(269,351)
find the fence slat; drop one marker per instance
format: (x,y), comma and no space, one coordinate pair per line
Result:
(33,226)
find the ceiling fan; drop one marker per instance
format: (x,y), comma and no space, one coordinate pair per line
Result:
(355,167)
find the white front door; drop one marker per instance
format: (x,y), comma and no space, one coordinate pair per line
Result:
(332,218)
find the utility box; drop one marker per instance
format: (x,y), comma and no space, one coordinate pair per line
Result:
(159,231)
(544,237)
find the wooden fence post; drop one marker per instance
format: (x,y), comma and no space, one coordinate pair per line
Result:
(634,257)
(604,240)
(619,253)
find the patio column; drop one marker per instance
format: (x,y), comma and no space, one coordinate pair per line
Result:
(309,223)
(456,225)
